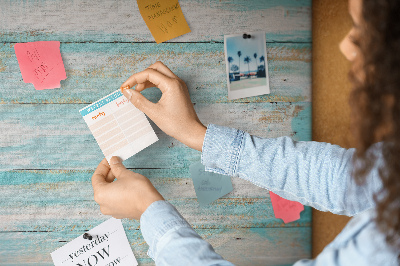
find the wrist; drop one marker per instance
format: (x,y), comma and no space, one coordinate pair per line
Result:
(196,137)
(149,201)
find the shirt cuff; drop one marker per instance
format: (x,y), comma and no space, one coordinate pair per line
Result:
(222,148)
(158,219)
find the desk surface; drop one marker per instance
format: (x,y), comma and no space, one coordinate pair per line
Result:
(48,154)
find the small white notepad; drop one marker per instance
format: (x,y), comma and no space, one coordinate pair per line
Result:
(118,126)
(108,246)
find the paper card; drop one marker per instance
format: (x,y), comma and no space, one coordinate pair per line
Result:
(246,65)
(118,126)
(41,64)
(209,186)
(164,18)
(109,246)
(284,209)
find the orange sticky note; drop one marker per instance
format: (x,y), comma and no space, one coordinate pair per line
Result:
(41,64)
(164,18)
(284,209)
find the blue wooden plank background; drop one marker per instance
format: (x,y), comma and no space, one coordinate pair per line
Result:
(47,154)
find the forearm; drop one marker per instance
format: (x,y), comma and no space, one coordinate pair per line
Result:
(172,240)
(312,173)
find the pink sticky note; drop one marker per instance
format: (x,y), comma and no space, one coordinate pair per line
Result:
(41,64)
(286,210)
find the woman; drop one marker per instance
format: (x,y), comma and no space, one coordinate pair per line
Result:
(363,183)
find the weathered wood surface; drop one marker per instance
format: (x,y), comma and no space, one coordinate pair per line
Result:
(53,136)
(95,69)
(47,154)
(246,206)
(120,21)
(269,246)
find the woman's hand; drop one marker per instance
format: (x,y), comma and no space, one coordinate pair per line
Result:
(128,196)
(173,113)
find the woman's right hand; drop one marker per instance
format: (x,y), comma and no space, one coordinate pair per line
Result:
(173,113)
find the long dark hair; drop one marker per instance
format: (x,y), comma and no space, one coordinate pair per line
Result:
(375,101)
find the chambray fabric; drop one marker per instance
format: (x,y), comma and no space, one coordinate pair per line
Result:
(312,173)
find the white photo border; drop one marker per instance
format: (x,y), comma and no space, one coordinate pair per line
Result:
(247,92)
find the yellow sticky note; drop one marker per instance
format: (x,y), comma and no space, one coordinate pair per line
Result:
(164,18)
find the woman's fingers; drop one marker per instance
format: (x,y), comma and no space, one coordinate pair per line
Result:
(160,67)
(141,102)
(174,113)
(100,174)
(110,177)
(142,86)
(159,80)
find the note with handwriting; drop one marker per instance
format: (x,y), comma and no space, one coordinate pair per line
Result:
(164,18)
(118,126)
(108,246)
(209,186)
(284,209)
(41,64)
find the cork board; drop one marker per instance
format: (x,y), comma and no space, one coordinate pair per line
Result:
(331,89)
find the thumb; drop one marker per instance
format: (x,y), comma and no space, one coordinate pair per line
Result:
(99,176)
(138,100)
(117,167)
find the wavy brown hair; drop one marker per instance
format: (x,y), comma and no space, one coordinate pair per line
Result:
(375,103)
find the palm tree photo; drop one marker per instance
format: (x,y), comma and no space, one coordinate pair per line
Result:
(255,60)
(262,59)
(250,51)
(239,55)
(247,60)
(230,60)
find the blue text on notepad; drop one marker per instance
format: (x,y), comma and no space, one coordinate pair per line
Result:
(100,103)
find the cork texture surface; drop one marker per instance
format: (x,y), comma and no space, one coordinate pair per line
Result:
(331,89)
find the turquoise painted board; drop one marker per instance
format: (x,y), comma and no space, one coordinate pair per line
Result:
(47,153)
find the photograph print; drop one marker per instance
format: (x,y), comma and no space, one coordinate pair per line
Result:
(246,65)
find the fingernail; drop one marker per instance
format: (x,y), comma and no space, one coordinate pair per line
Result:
(128,94)
(115,160)
(124,88)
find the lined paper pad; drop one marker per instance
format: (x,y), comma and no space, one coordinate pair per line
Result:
(118,126)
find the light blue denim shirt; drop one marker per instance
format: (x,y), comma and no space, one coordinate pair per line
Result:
(312,173)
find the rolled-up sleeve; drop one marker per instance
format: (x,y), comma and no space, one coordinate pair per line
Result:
(313,173)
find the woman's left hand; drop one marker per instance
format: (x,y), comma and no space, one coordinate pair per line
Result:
(128,196)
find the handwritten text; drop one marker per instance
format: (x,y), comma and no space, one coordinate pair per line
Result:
(163,11)
(100,114)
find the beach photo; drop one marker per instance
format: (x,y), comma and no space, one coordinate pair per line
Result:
(246,65)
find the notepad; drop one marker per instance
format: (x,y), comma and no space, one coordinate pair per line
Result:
(118,126)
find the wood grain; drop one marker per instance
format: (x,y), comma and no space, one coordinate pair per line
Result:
(72,199)
(47,153)
(95,70)
(283,245)
(120,21)
(46,141)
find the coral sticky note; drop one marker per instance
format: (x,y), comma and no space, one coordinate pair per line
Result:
(41,64)
(284,209)
(164,18)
